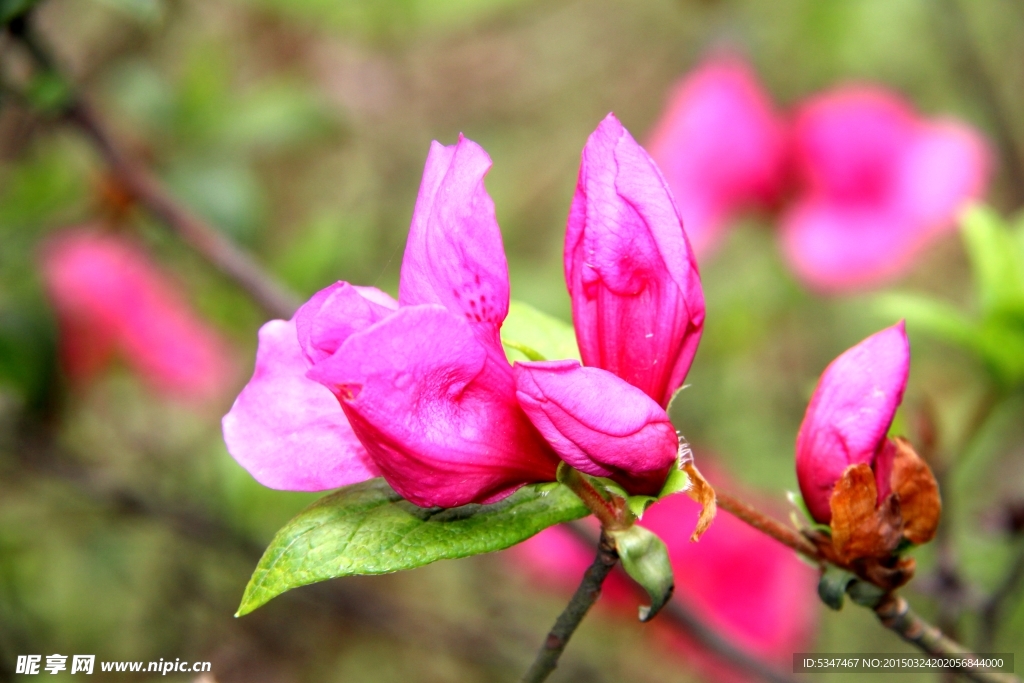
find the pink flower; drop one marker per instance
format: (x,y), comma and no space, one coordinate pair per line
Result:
(427,397)
(849,416)
(110,299)
(744,584)
(637,303)
(721,146)
(879,184)
(422,392)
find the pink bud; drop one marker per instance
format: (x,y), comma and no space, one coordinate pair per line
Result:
(879,185)
(721,146)
(598,423)
(849,416)
(638,308)
(111,299)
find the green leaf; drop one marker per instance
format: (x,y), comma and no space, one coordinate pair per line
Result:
(367,528)
(544,335)
(832,586)
(645,558)
(936,318)
(995,259)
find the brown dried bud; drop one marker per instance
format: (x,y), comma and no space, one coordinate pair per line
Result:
(860,527)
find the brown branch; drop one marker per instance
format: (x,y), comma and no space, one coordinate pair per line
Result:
(768,525)
(149,193)
(893,611)
(582,600)
(895,614)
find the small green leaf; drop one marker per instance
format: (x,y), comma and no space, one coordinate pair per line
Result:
(995,259)
(805,519)
(638,504)
(936,318)
(367,528)
(676,482)
(645,558)
(545,335)
(832,586)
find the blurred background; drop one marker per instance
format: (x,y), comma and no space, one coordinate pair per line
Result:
(299,130)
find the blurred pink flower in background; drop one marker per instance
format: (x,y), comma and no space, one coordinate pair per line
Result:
(747,586)
(722,148)
(848,418)
(877,184)
(112,300)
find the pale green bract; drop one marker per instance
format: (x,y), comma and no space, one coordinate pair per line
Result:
(367,528)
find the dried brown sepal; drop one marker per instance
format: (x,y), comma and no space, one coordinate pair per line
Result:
(889,573)
(918,493)
(700,490)
(859,529)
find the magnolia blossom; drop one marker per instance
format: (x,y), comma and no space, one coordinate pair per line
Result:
(358,385)
(745,585)
(722,147)
(878,185)
(110,299)
(849,415)
(638,311)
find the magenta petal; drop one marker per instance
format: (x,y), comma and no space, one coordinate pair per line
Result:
(599,423)
(288,431)
(638,308)
(835,248)
(454,255)
(435,410)
(721,146)
(325,321)
(850,413)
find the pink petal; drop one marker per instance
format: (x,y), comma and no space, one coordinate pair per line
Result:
(436,411)
(721,145)
(288,431)
(110,297)
(598,423)
(638,308)
(850,413)
(880,184)
(325,321)
(454,255)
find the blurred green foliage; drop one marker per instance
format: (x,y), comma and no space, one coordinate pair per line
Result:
(300,129)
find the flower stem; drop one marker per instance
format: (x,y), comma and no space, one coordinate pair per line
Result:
(895,614)
(768,525)
(585,596)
